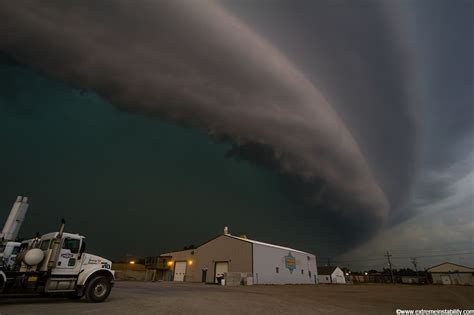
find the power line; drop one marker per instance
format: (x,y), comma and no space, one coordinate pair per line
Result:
(437,255)
(432,250)
(376,258)
(359,260)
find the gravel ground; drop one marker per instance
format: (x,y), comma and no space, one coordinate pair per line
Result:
(185,298)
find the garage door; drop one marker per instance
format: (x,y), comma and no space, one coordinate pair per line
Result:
(221,268)
(446,279)
(179,271)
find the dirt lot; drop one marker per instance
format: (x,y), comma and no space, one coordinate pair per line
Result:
(185,298)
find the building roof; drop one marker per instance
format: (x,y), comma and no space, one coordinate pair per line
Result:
(449,267)
(326,270)
(241,239)
(177,251)
(267,244)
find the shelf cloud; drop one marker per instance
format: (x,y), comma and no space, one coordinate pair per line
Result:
(195,64)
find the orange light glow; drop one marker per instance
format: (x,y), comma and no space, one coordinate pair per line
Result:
(132,262)
(190,262)
(170,263)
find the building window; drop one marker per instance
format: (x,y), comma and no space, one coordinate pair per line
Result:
(309,272)
(302,271)
(277,270)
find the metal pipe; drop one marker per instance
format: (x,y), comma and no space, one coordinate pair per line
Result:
(55,249)
(15,219)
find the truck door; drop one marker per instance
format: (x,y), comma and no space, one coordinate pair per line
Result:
(68,254)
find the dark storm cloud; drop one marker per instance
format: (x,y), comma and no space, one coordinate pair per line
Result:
(193,63)
(445,37)
(439,214)
(358,55)
(443,34)
(399,74)
(397,83)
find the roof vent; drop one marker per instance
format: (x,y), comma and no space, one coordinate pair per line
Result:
(226,231)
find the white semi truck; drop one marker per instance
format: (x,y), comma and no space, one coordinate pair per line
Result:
(54,263)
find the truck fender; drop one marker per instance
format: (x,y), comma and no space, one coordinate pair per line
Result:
(89,274)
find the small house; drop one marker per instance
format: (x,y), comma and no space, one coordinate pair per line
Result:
(331,274)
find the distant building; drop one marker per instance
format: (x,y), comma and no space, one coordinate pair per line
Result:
(128,271)
(411,279)
(331,274)
(239,260)
(371,276)
(449,273)
(128,266)
(159,268)
(409,276)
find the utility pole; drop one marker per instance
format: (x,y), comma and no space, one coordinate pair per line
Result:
(390,265)
(415,264)
(413,261)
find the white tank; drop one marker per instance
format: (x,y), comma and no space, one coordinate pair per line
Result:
(33,257)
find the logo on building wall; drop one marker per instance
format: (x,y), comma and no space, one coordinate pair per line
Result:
(290,262)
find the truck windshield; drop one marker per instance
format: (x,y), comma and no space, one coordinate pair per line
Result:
(72,244)
(16,250)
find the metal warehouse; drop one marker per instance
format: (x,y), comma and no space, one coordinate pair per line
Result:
(225,256)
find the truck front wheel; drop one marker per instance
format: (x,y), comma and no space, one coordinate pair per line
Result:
(98,289)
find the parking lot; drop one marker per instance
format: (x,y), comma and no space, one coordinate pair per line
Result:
(184,298)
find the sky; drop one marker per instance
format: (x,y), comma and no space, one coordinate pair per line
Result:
(338,127)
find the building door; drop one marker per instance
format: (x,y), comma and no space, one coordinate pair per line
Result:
(221,268)
(446,279)
(204,275)
(179,270)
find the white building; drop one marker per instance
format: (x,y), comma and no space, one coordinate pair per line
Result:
(289,265)
(227,255)
(331,274)
(449,273)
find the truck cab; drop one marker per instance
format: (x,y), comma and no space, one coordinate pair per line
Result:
(70,253)
(56,263)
